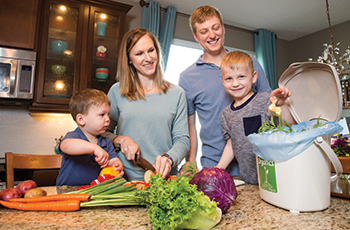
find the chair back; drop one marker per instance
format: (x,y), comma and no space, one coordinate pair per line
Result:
(29,161)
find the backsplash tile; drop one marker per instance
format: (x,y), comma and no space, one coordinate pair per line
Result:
(35,133)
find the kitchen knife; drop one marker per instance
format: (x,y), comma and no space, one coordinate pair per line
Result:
(143,163)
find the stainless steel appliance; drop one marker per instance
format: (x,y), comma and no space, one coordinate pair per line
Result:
(17,68)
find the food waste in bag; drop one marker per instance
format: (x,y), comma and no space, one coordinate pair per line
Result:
(283,141)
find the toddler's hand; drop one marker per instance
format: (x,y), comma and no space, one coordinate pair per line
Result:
(102,157)
(118,165)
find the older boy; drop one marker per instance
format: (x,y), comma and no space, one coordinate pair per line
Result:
(84,151)
(204,90)
(246,113)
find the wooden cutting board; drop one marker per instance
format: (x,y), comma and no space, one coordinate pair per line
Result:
(52,190)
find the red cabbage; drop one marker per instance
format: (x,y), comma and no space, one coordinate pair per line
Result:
(218,185)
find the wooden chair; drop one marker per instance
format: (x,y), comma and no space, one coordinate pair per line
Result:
(29,161)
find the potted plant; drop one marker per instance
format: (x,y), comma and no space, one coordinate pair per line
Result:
(341,147)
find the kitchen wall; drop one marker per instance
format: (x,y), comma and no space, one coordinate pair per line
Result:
(311,46)
(29,133)
(35,133)
(235,37)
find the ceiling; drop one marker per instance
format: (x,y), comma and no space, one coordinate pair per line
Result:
(289,19)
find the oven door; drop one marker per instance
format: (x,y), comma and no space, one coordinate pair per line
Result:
(8,73)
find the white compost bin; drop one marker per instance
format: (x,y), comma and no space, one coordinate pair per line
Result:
(303,183)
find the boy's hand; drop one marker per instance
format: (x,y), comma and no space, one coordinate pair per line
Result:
(102,157)
(280,94)
(117,164)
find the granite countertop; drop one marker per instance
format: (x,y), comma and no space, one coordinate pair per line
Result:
(249,212)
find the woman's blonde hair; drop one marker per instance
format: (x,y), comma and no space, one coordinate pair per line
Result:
(84,99)
(203,13)
(130,84)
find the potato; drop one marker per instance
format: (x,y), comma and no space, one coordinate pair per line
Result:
(10,193)
(274,110)
(25,186)
(35,192)
(148,175)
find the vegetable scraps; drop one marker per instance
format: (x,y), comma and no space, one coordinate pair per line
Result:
(284,126)
(218,185)
(176,204)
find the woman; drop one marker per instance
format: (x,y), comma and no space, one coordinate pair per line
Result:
(148,114)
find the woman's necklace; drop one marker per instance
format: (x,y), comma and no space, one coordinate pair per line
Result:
(150,89)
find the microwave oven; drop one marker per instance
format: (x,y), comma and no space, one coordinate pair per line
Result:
(17,68)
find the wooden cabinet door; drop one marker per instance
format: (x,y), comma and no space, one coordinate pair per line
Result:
(18,20)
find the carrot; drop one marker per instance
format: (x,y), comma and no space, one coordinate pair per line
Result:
(58,197)
(63,206)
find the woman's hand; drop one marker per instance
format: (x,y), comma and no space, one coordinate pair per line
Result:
(127,146)
(162,165)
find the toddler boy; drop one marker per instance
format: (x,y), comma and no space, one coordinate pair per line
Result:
(84,151)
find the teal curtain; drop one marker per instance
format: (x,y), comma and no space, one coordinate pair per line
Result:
(265,51)
(166,31)
(150,17)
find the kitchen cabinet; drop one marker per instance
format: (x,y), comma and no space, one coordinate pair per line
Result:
(71,34)
(18,20)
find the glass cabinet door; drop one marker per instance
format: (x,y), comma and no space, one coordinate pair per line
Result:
(78,49)
(106,27)
(60,56)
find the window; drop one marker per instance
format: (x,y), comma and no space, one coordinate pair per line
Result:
(182,54)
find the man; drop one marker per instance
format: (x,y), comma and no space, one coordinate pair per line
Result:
(204,89)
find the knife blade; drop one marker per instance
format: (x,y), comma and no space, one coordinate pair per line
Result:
(143,163)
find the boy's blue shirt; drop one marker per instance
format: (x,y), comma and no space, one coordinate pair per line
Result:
(82,169)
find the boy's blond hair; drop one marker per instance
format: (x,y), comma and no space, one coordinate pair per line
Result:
(84,99)
(203,13)
(237,59)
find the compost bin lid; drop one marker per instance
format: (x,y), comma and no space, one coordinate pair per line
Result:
(316,91)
